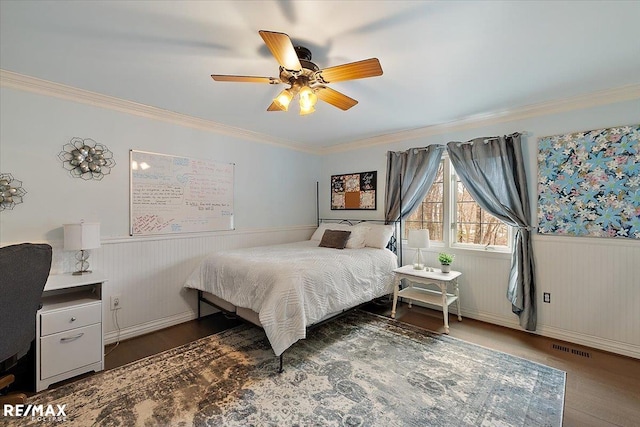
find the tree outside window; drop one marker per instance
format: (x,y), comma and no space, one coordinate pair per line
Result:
(470,224)
(430,213)
(476,226)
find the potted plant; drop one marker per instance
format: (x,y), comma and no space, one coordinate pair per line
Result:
(445,261)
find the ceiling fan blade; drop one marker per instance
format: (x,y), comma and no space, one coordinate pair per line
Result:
(245,79)
(282,49)
(352,71)
(336,98)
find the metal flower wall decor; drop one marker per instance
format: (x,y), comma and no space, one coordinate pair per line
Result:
(11,191)
(86,159)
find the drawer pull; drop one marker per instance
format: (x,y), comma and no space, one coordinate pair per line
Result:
(73,319)
(67,339)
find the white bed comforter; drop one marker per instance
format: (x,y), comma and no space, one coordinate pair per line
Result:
(295,285)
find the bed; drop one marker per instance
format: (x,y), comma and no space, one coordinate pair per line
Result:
(287,288)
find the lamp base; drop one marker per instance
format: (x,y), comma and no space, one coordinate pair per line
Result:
(418,263)
(82,266)
(80,273)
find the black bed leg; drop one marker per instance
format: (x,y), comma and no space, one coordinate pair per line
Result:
(199,296)
(281,370)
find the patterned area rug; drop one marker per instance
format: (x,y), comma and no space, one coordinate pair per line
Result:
(360,370)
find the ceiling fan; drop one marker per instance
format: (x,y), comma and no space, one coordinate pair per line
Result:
(305,78)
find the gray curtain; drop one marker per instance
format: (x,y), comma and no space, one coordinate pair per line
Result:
(416,168)
(492,170)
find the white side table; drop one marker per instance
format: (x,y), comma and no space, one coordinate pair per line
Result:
(69,336)
(438,298)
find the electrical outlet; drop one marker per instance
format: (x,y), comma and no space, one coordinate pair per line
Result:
(546,297)
(116,302)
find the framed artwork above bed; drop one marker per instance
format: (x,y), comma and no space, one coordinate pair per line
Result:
(354,191)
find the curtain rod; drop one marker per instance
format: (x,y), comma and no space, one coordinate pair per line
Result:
(522,133)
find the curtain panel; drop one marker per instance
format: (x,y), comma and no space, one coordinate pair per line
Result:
(492,170)
(415,169)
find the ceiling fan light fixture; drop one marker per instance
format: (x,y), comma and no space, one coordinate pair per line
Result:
(305,111)
(308,99)
(284,99)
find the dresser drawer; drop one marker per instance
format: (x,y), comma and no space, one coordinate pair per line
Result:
(70,350)
(70,318)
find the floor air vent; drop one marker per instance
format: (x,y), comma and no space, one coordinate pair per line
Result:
(571,350)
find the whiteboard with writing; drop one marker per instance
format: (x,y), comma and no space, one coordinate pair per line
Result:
(173,194)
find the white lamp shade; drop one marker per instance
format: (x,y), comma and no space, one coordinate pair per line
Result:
(418,239)
(85,235)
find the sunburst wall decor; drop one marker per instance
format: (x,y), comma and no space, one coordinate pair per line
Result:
(86,159)
(11,191)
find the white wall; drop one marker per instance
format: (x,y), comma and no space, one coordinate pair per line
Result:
(275,199)
(273,186)
(594,283)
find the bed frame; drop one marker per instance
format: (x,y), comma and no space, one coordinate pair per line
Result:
(394,245)
(235,315)
(250,316)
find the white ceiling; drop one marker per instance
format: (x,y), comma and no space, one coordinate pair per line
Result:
(442,60)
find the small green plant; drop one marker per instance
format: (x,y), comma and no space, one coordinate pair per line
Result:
(445,259)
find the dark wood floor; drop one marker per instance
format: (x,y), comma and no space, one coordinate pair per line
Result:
(602,389)
(165,339)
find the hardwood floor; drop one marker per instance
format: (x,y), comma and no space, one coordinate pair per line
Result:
(156,342)
(602,389)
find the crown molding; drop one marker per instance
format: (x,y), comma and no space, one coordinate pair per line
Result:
(43,87)
(603,97)
(18,81)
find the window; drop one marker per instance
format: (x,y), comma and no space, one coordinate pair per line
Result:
(449,206)
(474,225)
(430,214)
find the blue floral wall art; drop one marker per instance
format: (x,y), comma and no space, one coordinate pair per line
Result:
(589,183)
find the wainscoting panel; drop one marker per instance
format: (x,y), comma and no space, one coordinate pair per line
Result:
(594,283)
(595,290)
(148,274)
(594,286)
(483,284)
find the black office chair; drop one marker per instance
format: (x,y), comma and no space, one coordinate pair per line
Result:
(24,269)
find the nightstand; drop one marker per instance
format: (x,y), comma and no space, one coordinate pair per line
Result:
(69,335)
(438,298)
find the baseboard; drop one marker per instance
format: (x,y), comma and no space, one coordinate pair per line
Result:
(617,347)
(600,343)
(145,328)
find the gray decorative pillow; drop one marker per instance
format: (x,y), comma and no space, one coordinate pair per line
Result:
(336,239)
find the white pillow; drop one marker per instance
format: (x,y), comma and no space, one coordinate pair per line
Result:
(357,237)
(378,235)
(317,235)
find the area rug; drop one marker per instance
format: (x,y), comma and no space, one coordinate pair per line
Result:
(359,370)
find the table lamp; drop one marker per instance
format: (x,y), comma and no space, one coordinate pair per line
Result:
(418,239)
(82,237)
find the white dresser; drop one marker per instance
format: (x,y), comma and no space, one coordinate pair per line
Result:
(69,335)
